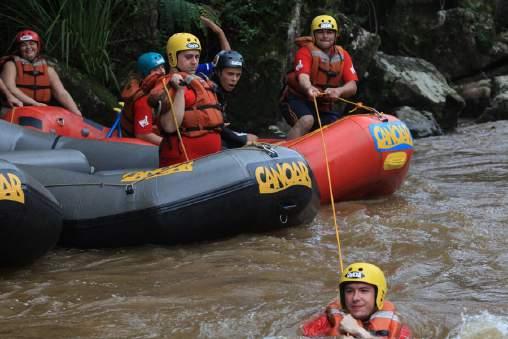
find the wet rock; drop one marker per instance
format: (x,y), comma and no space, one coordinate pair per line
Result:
(476,95)
(498,109)
(361,44)
(421,123)
(396,81)
(460,39)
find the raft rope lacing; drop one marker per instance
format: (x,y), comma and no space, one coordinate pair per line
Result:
(358,105)
(91,184)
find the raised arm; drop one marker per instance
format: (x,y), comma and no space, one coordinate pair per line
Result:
(60,93)
(223,41)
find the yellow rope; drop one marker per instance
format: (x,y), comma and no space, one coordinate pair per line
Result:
(359,105)
(330,187)
(180,140)
(13,114)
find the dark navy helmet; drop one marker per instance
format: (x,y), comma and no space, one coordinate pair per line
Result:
(229,59)
(149,61)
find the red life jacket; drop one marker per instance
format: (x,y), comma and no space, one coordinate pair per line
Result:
(205,116)
(326,71)
(383,324)
(32,78)
(130,93)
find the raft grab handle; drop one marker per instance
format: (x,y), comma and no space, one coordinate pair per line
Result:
(268,149)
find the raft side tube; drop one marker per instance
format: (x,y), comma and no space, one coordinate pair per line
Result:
(68,159)
(31,218)
(15,138)
(221,194)
(104,154)
(359,167)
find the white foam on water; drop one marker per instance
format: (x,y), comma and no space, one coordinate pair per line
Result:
(481,326)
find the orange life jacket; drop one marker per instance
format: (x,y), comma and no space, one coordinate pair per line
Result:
(205,116)
(132,91)
(384,323)
(32,77)
(326,71)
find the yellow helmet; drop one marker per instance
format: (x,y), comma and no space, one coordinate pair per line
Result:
(323,22)
(364,273)
(181,42)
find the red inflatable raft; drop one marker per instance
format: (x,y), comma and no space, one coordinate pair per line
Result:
(58,120)
(368,156)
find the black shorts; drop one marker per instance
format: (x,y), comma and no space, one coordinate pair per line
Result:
(295,107)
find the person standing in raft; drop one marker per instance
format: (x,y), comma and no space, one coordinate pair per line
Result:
(188,105)
(137,117)
(228,70)
(322,70)
(362,312)
(30,78)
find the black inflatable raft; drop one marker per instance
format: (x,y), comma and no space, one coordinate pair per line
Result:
(30,217)
(252,189)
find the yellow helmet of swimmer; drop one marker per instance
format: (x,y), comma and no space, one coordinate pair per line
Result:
(181,42)
(364,273)
(324,22)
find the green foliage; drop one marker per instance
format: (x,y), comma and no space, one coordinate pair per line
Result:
(177,13)
(363,12)
(482,14)
(183,16)
(479,5)
(76,32)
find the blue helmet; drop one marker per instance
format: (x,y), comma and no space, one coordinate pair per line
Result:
(148,61)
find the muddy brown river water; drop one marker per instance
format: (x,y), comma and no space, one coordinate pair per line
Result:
(441,240)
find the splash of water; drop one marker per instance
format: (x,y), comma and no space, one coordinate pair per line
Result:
(481,326)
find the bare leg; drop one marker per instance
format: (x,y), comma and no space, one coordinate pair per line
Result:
(302,126)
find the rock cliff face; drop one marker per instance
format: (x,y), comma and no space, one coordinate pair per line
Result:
(418,55)
(442,58)
(396,81)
